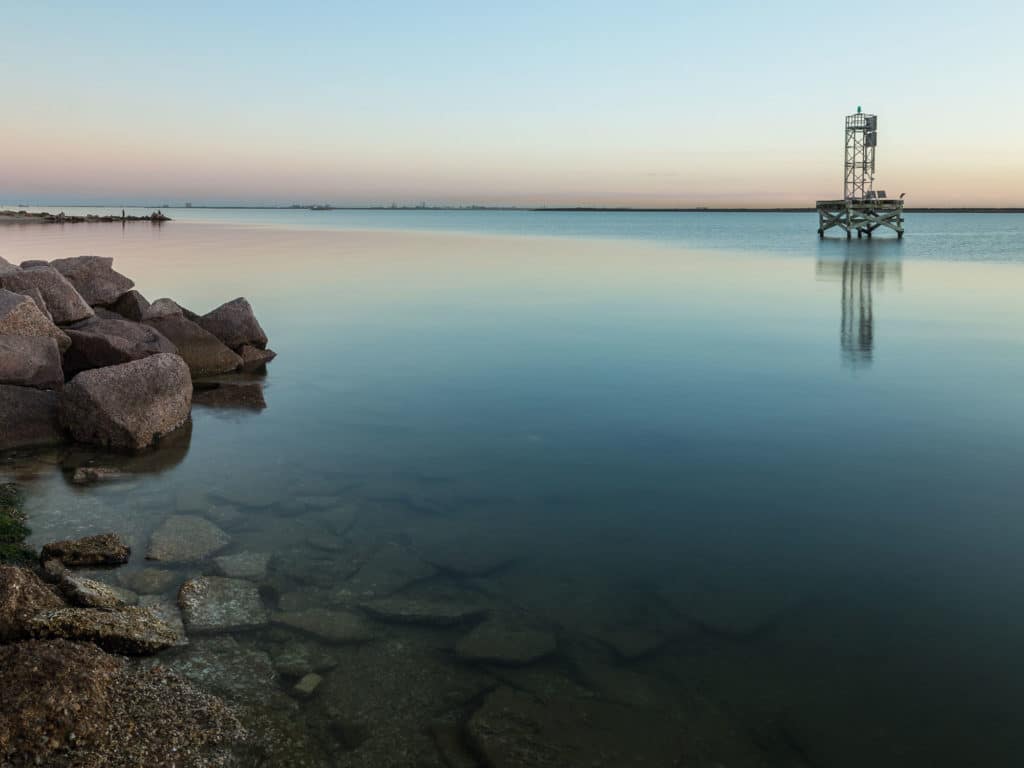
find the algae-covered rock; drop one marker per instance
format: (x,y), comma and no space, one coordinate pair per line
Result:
(89,551)
(22,596)
(129,630)
(68,704)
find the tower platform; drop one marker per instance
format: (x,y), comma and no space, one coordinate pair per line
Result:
(862,216)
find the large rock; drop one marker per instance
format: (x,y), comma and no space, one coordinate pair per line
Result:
(97,343)
(235,324)
(129,630)
(184,538)
(22,596)
(28,417)
(216,604)
(94,278)
(30,361)
(20,316)
(6,267)
(88,551)
(65,304)
(128,406)
(131,306)
(205,354)
(240,395)
(69,703)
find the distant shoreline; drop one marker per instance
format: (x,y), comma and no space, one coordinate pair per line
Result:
(473,208)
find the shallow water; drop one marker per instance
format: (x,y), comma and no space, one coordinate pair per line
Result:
(764,491)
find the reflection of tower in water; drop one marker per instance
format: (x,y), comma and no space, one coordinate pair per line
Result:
(859,278)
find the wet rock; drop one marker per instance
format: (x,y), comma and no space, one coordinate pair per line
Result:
(242,395)
(336,626)
(168,612)
(99,342)
(388,570)
(22,595)
(405,610)
(215,604)
(128,406)
(235,324)
(184,538)
(255,359)
(30,418)
(150,581)
(30,361)
(204,353)
(69,704)
(64,303)
(91,475)
(20,316)
(513,728)
(502,642)
(244,565)
(97,550)
(94,278)
(307,686)
(128,630)
(131,306)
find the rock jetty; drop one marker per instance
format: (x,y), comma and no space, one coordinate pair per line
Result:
(85,357)
(45,217)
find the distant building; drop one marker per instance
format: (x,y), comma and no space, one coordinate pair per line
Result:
(188,205)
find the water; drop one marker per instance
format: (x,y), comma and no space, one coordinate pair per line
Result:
(763,490)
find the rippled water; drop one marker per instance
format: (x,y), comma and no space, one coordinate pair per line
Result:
(761,492)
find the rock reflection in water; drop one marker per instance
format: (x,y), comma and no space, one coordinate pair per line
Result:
(859,277)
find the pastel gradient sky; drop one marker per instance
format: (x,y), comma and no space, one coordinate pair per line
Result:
(560,103)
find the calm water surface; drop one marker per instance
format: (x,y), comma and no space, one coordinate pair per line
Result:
(763,491)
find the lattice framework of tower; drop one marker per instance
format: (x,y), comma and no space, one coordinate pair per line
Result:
(862,209)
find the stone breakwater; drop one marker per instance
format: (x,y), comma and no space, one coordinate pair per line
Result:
(86,357)
(24,217)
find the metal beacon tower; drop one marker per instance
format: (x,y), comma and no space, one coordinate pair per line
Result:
(863,208)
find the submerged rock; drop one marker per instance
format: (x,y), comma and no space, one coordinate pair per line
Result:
(30,361)
(90,475)
(243,395)
(500,642)
(335,626)
(20,316)
(405,610)
(168,612)
(235,324)
(94,278)
(514,729)
(100,342)
(223,665)
(88,551)
(215,604)
(29,418)
(129,630)
(244,565)
(22,596)
(307,686)
(64,303)
(388,570)
(149,581)
(183,538)
(130,405)
(69,704)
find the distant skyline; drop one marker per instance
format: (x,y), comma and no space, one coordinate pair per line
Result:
(652,104)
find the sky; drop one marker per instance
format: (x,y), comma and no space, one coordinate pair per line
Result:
(648,104)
